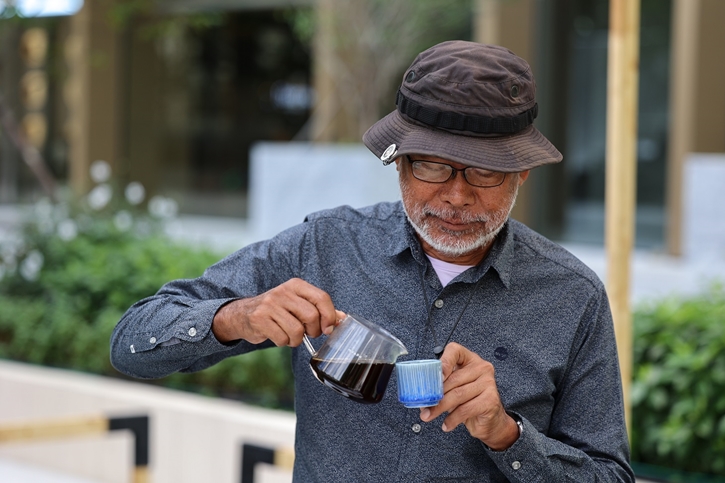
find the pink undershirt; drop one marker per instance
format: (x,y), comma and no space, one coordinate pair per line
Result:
(447,271)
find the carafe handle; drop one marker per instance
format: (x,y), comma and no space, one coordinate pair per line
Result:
(308,345)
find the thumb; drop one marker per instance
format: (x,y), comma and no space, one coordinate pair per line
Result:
(453,357)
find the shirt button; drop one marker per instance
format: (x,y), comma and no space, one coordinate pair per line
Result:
(192,332)
(439,303)
(152,340)
(515,465)
(133,350)
(416,428)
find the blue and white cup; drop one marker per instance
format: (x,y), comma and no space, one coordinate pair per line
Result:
(420,383)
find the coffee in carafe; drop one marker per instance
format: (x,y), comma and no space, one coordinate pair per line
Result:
(356,360)
(364,382)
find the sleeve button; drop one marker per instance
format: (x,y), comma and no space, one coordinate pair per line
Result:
(133,349)
(192,332)
(516,465)
(152,340)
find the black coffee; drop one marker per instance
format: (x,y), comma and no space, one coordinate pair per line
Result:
(364,382)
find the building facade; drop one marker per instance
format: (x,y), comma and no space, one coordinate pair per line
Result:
(175,95)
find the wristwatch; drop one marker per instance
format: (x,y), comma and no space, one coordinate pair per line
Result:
(520,425)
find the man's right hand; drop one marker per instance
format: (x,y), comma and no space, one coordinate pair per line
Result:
(283,315)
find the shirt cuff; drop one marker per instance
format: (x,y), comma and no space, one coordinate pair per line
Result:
(193,325)
(517,462)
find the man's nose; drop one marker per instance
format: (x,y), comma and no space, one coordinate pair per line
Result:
(457,191)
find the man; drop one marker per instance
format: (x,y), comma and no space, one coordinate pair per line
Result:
(523,329)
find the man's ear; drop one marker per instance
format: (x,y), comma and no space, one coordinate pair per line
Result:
(397,163)
(523,175)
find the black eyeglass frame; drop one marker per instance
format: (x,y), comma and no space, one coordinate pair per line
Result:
(454,172)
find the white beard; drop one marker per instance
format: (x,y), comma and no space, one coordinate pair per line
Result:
(454,244)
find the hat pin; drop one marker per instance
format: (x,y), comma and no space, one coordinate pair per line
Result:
(389,154)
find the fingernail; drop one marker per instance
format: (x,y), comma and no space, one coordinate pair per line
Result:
(424,413)
(444,427)
(328,330)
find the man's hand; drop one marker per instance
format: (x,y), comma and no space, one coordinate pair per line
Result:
(282,315)
(470,396)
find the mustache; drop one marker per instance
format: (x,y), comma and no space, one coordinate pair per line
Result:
(454,215)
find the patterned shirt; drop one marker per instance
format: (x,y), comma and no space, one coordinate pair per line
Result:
(537,313)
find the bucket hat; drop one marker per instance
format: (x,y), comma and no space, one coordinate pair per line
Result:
(465,102)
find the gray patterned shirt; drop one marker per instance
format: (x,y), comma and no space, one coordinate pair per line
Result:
(538,315)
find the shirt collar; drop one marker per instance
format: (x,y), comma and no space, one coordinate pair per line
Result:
(500,258)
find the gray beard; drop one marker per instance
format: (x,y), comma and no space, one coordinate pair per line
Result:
(451,245)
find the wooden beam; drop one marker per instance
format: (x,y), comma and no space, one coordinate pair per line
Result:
(621,173)
(683,96)
(53,429)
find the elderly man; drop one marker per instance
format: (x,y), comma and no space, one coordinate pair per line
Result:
(523,329)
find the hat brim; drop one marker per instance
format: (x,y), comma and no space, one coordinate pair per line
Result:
(524,150)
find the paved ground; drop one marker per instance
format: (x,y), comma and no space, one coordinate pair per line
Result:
(15,472)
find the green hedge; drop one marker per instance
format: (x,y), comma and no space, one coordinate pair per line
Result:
(678,394)
(68,279)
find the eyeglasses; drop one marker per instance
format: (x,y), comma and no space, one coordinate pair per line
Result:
(432,172)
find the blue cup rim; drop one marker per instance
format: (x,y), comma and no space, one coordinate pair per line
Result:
(418,362)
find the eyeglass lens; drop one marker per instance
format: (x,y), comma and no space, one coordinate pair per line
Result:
(433,172)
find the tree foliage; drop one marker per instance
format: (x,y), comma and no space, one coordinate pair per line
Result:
(363,47)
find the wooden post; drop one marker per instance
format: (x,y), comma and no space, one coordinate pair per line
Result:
(684,73)
(92,93)
(621,173)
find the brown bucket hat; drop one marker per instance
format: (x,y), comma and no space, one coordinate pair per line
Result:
(465,102)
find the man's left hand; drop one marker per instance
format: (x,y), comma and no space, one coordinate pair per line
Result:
(470,396)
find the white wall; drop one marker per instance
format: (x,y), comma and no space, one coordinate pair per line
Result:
(290,180)
(704,207)
(193,438)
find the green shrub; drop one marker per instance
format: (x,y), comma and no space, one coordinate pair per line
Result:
(71,274)
(678,393)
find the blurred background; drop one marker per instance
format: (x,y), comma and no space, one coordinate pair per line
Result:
(155,136)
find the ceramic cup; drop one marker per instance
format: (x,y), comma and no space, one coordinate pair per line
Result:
(420,383)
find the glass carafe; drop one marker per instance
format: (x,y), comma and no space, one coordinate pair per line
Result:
(357,359)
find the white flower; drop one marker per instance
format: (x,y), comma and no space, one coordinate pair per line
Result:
(67,230)
(32,264)
(99,196)
(162,207)
(100,171)
(135,193)
(44,208)
(123,220)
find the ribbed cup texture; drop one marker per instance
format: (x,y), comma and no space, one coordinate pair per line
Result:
(420,383)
